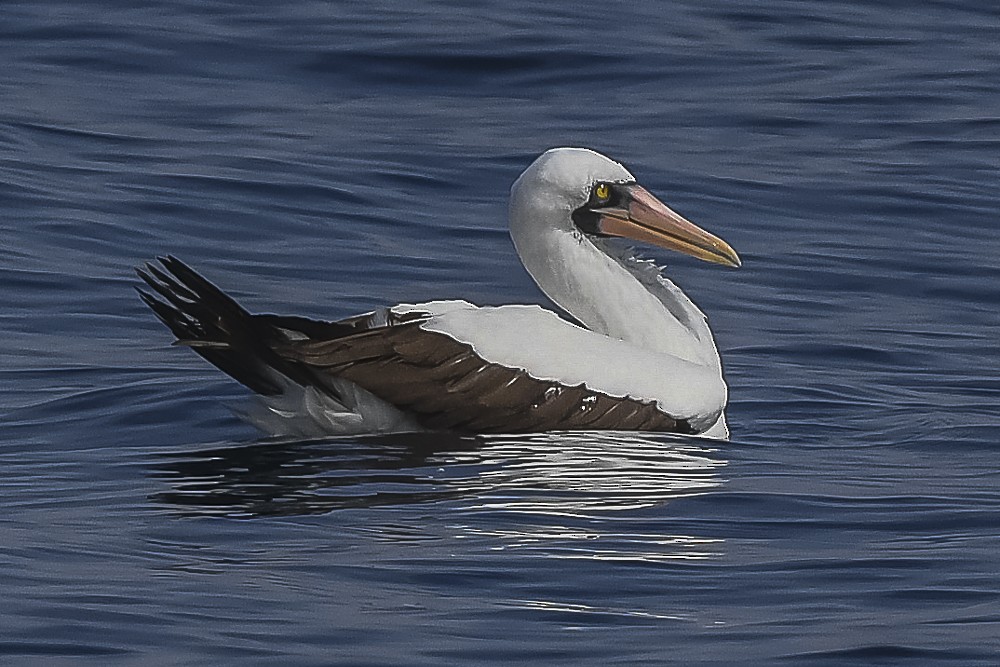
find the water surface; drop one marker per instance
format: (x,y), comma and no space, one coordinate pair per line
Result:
(321,160)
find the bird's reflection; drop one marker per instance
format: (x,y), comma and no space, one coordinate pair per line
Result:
(275,478)
(551,473)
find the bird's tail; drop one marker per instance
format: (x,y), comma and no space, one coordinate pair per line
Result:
(257,350)
(211,323)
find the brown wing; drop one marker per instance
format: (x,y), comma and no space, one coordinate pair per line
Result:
(439,380)
(447,386)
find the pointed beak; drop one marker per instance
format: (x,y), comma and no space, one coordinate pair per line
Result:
(642,217)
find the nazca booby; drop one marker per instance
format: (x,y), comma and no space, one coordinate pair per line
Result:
(638,356)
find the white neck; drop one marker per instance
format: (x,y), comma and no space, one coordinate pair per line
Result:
(616,297)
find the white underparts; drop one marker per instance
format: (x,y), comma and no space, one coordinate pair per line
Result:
(307,412)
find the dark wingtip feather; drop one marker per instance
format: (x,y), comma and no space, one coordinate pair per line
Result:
(204,318)
(163,312)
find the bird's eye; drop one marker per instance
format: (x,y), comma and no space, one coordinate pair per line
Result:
(602,193)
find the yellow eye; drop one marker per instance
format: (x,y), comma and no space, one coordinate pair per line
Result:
(602,192)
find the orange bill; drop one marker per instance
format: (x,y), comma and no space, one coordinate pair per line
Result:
(642,217)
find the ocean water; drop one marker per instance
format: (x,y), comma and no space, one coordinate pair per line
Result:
(323,159)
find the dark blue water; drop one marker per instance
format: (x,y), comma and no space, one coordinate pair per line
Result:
(326,158)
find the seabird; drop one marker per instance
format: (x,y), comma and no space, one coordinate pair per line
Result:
(637,355)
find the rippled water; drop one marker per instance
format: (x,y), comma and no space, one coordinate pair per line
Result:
(321,159)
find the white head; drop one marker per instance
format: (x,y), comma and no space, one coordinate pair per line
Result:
(560,207)
(585,194)
(562,179)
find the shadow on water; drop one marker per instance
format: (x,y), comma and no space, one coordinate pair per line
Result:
(550,473)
